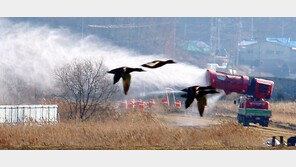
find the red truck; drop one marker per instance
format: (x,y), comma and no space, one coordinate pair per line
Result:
(253,107)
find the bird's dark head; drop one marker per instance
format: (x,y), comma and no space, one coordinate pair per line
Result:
(170,61)
(185,90)
(111,71)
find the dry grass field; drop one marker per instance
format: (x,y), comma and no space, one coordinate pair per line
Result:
(143,130)
(137,130)
(284,112)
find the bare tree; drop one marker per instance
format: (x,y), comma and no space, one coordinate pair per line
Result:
(85,87)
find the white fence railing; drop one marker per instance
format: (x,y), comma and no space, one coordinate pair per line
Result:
(25,113)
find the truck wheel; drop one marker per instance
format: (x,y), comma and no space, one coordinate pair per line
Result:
(239,118)
(265,123)
(245,121)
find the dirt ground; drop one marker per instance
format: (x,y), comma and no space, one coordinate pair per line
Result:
(275,128)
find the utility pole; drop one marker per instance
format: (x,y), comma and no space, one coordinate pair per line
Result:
(282,28)
(252,28)
(218,32)
(212,29)
(259,64)
(240,26)
(185,31)
(215,37)
(174,44)
(129,33)
(217,41)
(82,27)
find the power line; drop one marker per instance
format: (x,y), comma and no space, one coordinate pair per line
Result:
(129,25)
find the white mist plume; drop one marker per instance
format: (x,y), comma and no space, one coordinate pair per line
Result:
(192,117)
(212,101)
(33,52)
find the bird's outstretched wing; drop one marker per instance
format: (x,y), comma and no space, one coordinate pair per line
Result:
(202,102)
(184,95)
(116,78)
(117,74)
(151,64)
(126,81)
(205,88)
(188,102)
(129,70)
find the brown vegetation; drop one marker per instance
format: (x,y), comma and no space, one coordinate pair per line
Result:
(283,112)
(113,129)
(128,130)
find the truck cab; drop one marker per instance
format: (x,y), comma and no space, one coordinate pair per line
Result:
(253,110)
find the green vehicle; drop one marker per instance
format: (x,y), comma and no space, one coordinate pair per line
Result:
(252,110)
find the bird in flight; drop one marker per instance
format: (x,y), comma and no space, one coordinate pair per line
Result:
(124,73)
(157,63)
(199,93)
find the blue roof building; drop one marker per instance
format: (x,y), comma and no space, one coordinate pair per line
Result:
(272,55)
(279,41)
